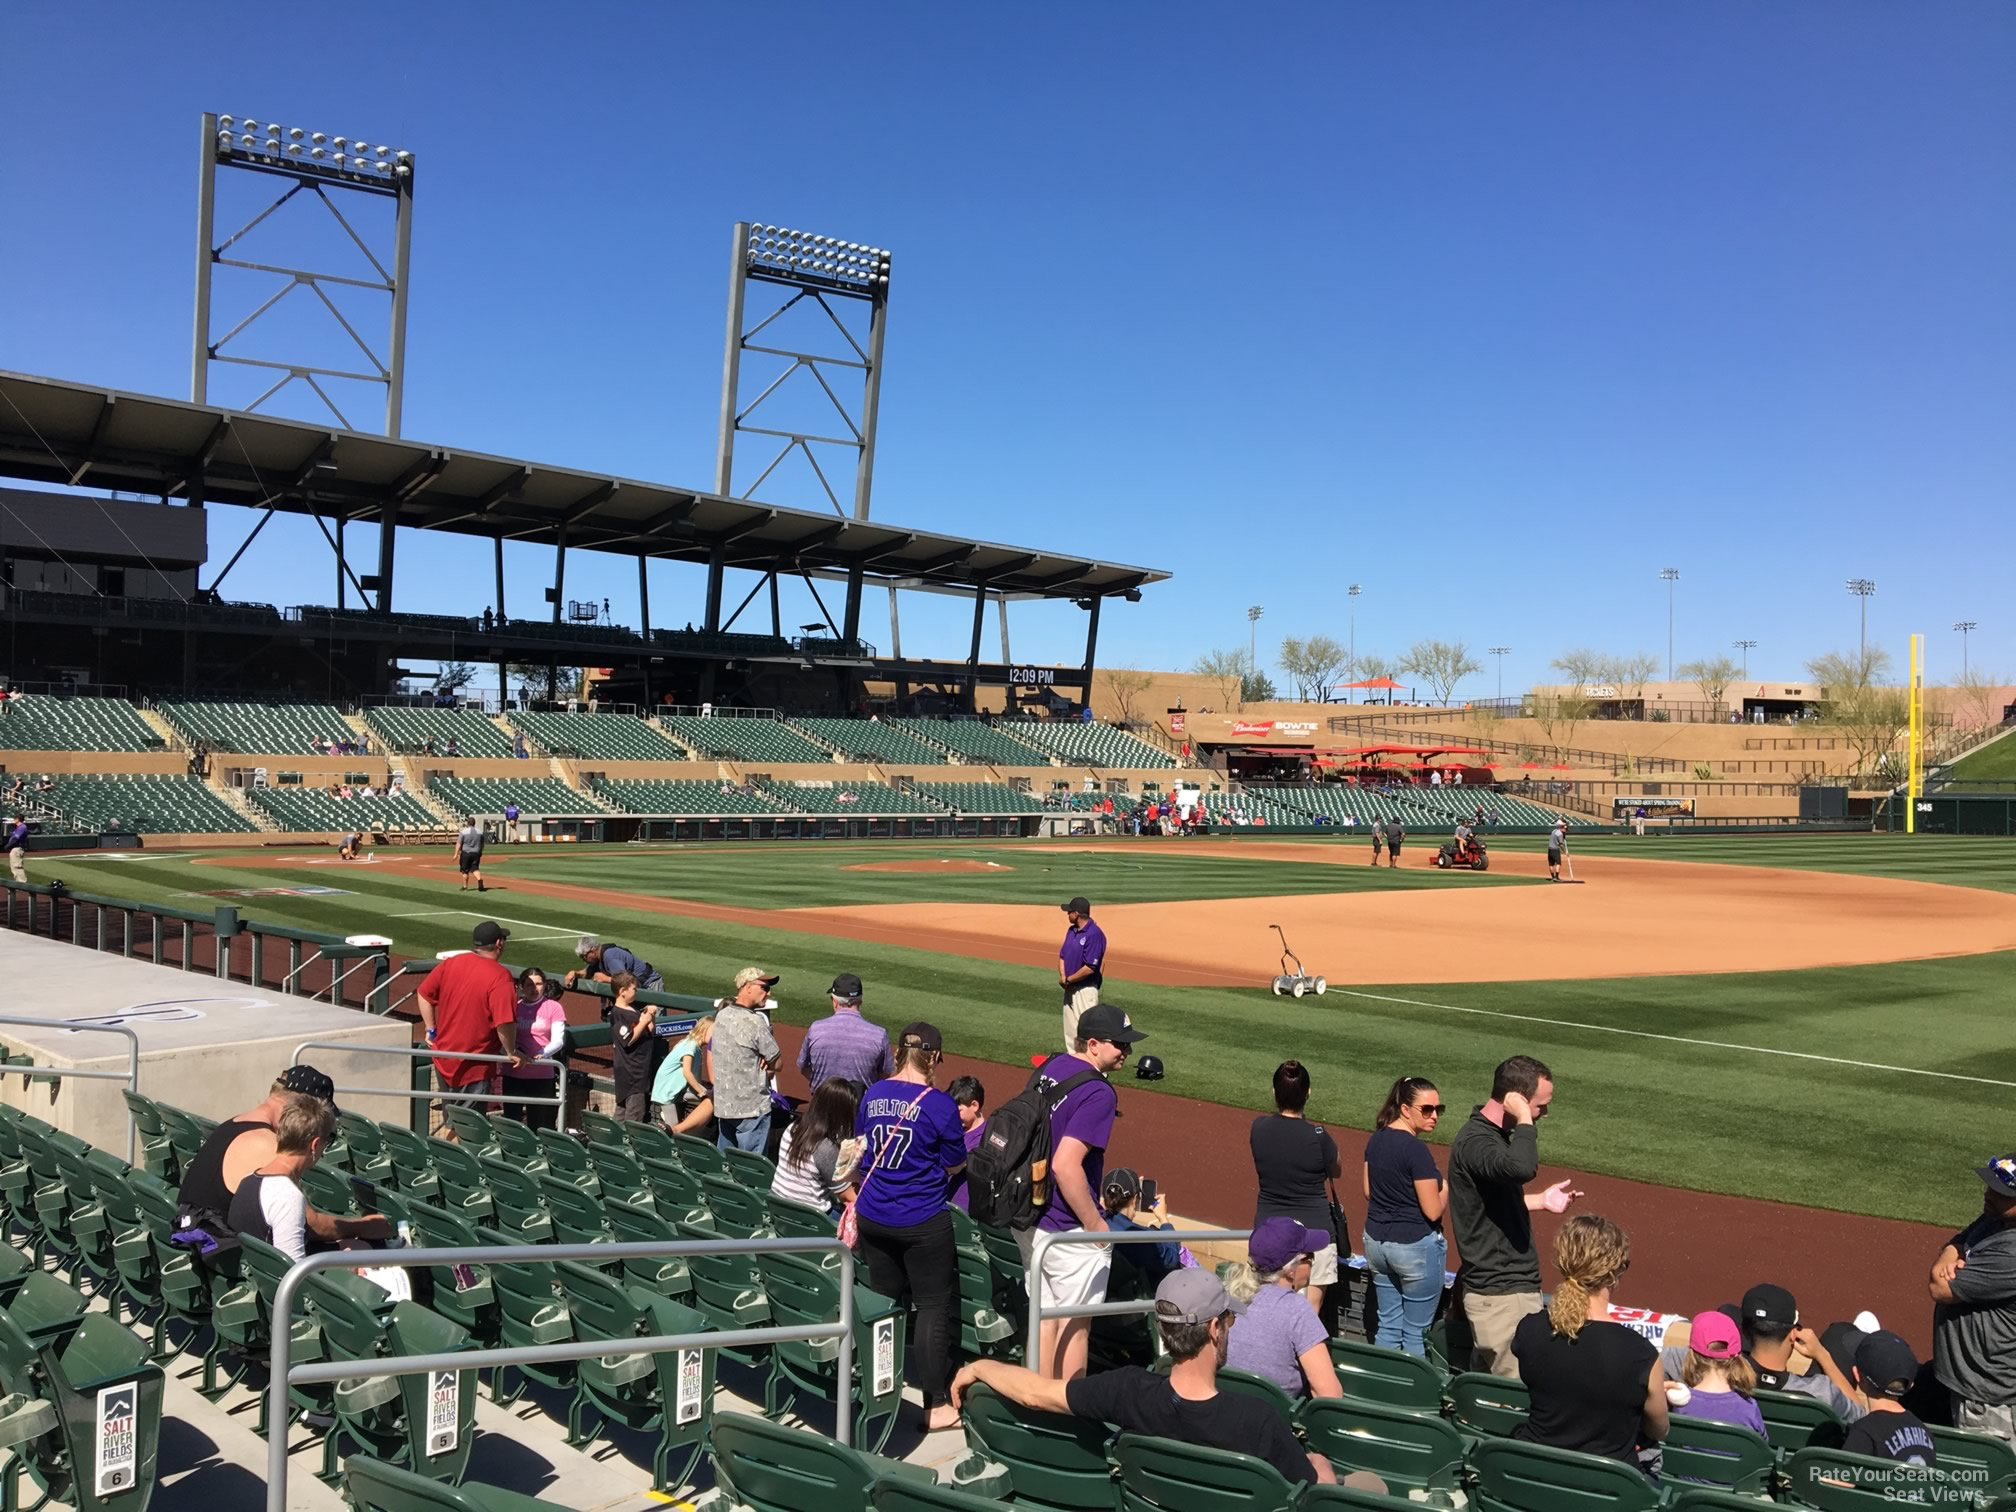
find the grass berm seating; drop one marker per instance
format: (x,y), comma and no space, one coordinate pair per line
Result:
(534,795)
(259,728)
(407,731)
(980,797)
(696,797)
(597,737)
(1083,744)
(975,740)
(318,809)
(51,722)
(872,740)
(744,738)
(146,805)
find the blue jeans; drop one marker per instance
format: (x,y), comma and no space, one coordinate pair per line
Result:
(1407,1280)
(752,1133)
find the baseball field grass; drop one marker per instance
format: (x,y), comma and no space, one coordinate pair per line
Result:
(1866,1089)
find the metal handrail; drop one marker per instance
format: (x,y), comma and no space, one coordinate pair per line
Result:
(284,1374)
(410,1094)
(1046,1239)
(131,1076)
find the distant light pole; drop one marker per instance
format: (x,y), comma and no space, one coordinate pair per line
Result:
(1963,626)
(1500,652)
(1669,576)
(1746,647)
(1351,594)
(1862,588)
(1252,636)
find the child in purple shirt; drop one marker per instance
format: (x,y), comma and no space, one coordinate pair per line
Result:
(1716,1382)
(971,1098)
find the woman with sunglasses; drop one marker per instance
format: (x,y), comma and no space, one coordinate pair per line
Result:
(1404,1201)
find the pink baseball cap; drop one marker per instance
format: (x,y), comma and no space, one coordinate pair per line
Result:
(1714,1336)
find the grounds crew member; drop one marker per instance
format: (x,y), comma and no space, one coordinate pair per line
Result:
(1378,839)
(469,853)
(1557,841)
(1081,967)
(1396,836)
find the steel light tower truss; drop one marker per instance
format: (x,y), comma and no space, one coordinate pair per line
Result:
(327,169)
(818,271)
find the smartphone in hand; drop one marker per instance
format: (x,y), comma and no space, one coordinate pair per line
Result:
(1149,1193)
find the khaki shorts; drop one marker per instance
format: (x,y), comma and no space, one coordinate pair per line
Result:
(1074,1275)
(1081,998)
(1323,1266)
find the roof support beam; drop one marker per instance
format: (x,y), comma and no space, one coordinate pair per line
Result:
(952,558)
(105,411)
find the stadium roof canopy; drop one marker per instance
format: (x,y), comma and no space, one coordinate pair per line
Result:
(80,434)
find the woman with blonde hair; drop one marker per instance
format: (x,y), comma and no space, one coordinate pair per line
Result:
(1597,1386)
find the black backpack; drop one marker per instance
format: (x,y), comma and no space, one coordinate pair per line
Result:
(1008,1173)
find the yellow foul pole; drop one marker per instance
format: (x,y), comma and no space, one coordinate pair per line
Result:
(1915,761)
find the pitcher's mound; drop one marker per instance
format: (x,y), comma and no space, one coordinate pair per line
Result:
(929,866)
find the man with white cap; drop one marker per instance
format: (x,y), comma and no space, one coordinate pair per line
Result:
(745,1053)
(1194,1313)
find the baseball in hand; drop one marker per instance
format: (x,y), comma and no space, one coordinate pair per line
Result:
(1677,1394)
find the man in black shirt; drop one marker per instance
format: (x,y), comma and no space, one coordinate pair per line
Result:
(239,1146)
(1195,1315)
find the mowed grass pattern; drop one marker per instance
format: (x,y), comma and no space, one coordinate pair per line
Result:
(1699,1104)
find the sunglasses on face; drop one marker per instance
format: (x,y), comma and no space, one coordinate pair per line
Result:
(1430,1110)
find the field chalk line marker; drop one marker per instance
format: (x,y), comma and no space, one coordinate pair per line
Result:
(1677,1039)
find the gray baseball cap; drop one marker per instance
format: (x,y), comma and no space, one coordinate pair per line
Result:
(1193,1296)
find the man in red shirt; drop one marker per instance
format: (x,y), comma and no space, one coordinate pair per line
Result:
(467,1003)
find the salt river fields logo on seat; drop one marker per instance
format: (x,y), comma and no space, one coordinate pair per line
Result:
(118,1451)
(444,1412)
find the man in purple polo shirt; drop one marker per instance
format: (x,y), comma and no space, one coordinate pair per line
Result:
(846,1045)
(1074,1275)
(1081,966)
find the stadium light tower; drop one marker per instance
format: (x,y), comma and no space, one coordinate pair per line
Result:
(1351,594)
(1252,637)
(1964,626)
(1746,647)
(1863,589)
(816,270)
(1501,652)
(1669,576)
(312,165)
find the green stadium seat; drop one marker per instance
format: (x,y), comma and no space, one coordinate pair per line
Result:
(661,1275)
(1719,1455)
(1834,1481)
(513,1141)
(469,1300)
(520,1203)
(531,1311)
(393,1418)
(53,722)
(974,740)
(755,1172)
(767,1468)
(793,1220)
(1708,1499)
(1793,1421)
(362,1141)
(317,810)
(729,1290)
(471,1128)
(1514,1476)
(687,798)
(374,1486)
(1989,1462)
(259,728)
(669,1394)
(1390,1376)
(849,799)
(1409,1450)
(1163,1475)
(596,737)
(412,1157)
(144,805)
(737,738)
(407,731)
(983,1328)
(567,1160)
(906,1493)
(801,1292)
(620,1173)
(971,798)
(1055,1462)
(700,1156)
(871,740)
(82,1413)
(1488,1406)
(738,1212)
(157,1150)
(1081,744)
(578,1217)
(535,795)
(676,1194)
(1351,1499)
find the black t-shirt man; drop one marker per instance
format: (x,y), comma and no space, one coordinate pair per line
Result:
(1138,1401)
(1589,1391)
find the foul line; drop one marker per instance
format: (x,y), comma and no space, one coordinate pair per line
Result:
(1679,1039)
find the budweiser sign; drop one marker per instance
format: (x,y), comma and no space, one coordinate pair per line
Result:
(1252,727)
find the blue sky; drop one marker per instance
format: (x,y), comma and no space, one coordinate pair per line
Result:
(1494,309)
